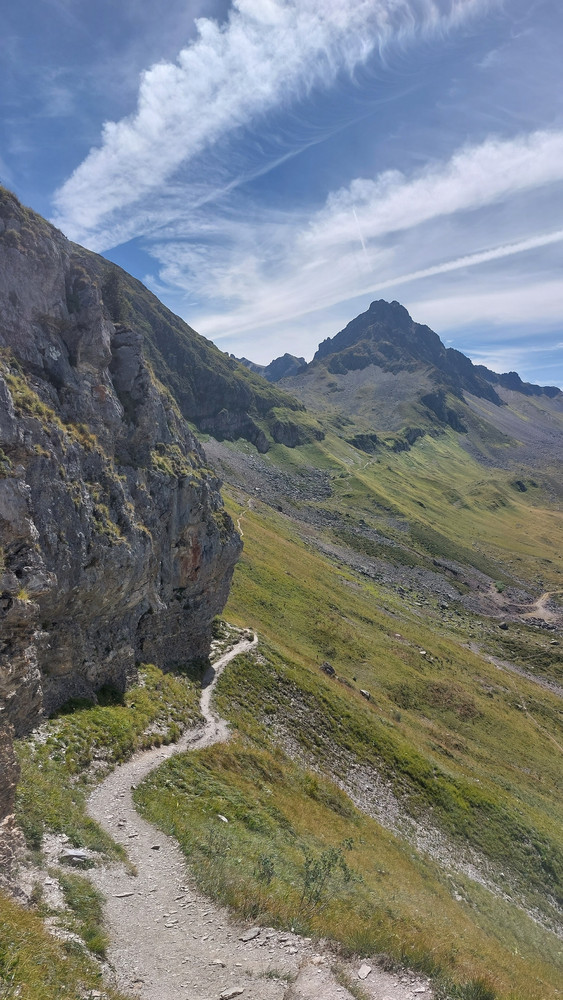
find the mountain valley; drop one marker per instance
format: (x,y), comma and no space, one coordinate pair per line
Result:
(391,787)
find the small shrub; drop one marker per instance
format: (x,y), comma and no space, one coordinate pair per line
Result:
(265,870)
(321,874)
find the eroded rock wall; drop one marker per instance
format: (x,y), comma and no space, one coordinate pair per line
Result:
(115,547)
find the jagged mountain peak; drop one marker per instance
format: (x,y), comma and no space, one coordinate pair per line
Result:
(387,336)
(386,328)
(384,373)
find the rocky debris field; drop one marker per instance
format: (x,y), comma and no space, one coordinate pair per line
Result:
(256,475)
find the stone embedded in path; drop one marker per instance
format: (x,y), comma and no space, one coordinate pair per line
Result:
(229,994)
(74,855)
(250,935)
(364,971)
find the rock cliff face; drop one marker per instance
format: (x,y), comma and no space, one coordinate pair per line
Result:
(115,547)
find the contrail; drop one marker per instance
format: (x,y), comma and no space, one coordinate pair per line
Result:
(481,257)
(470,260)
(360,234)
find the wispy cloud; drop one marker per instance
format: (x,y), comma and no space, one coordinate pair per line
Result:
(510,308)
(473,177)
(374,236)
(263,263)
(268,52)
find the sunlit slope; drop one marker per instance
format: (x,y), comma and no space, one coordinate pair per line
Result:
(443,743)
(483,513)
(385,899)
(394,569)
(457,711)
(433,501)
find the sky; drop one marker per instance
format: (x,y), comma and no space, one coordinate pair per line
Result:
(270,167)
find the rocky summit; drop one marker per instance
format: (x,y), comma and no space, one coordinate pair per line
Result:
(385,374)
(387,336)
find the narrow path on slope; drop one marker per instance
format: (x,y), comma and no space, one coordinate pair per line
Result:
(511,668)
(540,608)
(168,941)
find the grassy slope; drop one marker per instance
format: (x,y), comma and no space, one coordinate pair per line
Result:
(56,769)
(56,776)
(446,730)
(34,965)
(476,509)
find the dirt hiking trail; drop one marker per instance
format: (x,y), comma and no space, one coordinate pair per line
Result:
(168,942)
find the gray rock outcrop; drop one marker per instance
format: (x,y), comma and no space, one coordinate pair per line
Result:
(114,544)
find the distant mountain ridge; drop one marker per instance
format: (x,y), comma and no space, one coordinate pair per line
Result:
(386,335)
(511,380)
(282,367)
(385,374)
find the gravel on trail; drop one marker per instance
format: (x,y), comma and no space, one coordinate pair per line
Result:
(168,941)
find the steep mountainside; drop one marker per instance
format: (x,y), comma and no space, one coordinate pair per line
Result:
(213,390)
(405,576)
(409,610)
(115,547)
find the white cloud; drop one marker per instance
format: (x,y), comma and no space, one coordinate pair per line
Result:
(531,302)
(474,177)
(268,52)
(413,229)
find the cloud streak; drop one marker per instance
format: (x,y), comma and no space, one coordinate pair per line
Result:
(267,53)
(375,235)
(474,177)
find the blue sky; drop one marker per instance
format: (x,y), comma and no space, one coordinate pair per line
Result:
(269,167)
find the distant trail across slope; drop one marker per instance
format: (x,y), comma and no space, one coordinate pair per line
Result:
(540,609)
(540,681)
(511,668)
(168,942)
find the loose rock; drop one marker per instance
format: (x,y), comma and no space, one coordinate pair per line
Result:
(250,935)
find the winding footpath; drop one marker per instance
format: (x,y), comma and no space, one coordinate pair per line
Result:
(541,609)
(168,942)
